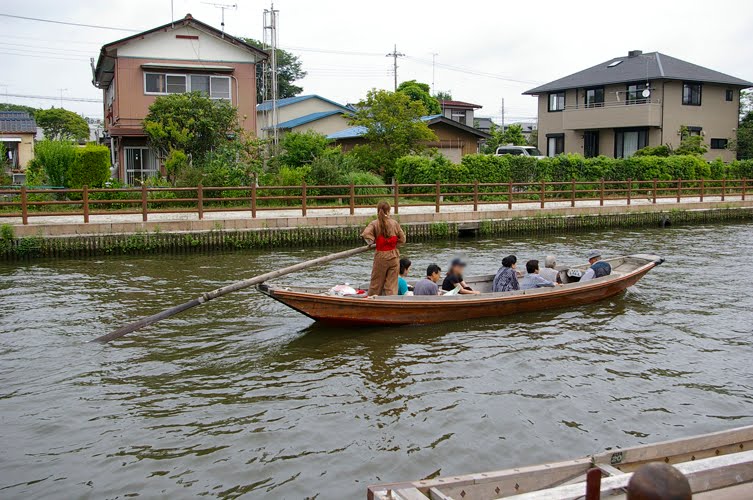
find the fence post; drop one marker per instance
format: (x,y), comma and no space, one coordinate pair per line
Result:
(601,193)
(438,194)
(200,200)
(253,200)
(543,193)
(724,187)
(702,189)
(397,197)
(144,207)
(679,190)
(745,181)
(85,204)
(352,200)
(629,190)
(475,195)
(655,183)
(572,199)
(509,195)
(24,206)
(303,198)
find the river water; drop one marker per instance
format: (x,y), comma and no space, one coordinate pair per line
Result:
(243,397)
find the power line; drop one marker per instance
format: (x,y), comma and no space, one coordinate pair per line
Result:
(43,57)
(460,69)
(54,98)
(69,23)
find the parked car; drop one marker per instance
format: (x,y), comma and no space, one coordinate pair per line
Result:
(519,151)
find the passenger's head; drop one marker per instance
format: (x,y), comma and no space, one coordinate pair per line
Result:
(509,261)
(594,256)
(432,272)
(383,213)
(404,266)
(457,266)
(532,266)
(658,481)
(550,261)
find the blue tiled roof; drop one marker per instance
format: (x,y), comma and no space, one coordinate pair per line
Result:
(19,122)
(430,117)
(348,133)
(302,120)
(267,105)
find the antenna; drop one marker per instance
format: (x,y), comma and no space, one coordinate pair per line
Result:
(223,6)
(270,43)
(433,63)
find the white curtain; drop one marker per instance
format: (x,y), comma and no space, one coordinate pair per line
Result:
(551,150)
(630,144)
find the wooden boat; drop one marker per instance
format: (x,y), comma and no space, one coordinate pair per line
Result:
(320,305)
(717,466)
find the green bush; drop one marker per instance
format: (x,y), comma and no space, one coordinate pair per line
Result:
(360,178)
(741,169)
(302,148)
(56,158)
(663,150)
(91,168)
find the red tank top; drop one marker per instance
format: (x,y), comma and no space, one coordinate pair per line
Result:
(386,244)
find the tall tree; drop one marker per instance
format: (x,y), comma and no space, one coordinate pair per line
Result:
(289,70)
(514,135)
(418,91)
(6,106)
(62,125)
(743,142)
(444,95)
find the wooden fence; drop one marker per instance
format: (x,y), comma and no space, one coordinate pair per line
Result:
(29,202)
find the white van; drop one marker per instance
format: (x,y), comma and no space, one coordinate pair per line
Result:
(519,151)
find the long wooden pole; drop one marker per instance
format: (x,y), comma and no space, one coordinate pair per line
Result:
(207,296)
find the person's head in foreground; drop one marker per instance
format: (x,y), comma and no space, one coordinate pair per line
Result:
(594,256)
(509,261)
(658,481)
(456,267)
(433,272)
(404,266)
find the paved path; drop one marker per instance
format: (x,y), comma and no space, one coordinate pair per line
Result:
(323,212)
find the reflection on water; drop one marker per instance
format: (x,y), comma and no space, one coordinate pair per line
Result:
(243,396)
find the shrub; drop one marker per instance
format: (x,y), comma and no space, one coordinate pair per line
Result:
(302,148)
(360,178)
(56,158)
(176,162)
(91,168)
(662,150)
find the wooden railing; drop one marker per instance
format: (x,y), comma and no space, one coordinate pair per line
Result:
(26,202)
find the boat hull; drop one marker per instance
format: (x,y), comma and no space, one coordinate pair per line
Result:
(404,310)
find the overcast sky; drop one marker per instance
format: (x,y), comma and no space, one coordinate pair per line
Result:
(501,47)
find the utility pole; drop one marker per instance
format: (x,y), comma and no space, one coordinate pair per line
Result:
(270,42)
(61,96)
(223,6)
(502,110)
(394,55)
(433,62)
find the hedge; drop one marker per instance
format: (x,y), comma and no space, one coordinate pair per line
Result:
(91,168)
(564,168)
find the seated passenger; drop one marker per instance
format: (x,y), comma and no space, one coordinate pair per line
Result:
(506,278)
(598,267)
(658,481)
(549,272)
(455,277)
(402,285)
(428,285)
(533,279)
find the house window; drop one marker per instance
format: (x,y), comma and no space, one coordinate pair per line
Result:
(728,95)
(634,93)
(161,83)
(140,164)
(691,94)
(555,144)
(719,143)
(628,141)
(216,87)
(556,101)
(690,132)
(595,97)
(458,115)
(200,83)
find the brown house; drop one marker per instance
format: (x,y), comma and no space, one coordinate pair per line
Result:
(183,56)
(454,139)
(627,103)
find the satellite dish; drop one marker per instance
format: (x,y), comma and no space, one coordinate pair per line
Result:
(646,93)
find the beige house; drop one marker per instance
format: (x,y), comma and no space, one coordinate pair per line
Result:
(459,111)
(182,56)
(627,103)
(17,131)
(302,113)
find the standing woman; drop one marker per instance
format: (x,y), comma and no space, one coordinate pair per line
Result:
(388,235)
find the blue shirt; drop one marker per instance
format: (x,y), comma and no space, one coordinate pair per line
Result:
(402,286)
(534,281)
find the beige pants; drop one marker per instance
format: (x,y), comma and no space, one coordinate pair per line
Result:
(384,273)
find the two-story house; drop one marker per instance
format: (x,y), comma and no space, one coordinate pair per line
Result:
(627,103)
(182,56)
(459,111)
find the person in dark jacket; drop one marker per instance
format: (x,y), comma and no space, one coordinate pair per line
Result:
(506,278)
(598,267)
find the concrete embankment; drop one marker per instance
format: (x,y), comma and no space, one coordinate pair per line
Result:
(65,239)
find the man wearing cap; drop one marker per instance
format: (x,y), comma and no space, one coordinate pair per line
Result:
(454,278)
(598,267)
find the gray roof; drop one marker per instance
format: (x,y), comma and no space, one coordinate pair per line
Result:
(18,122)
(650,66)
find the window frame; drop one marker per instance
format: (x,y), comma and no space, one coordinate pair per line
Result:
(643,132)
(187,78)
(559,144)
(718,140)
(597,104)
(130,173)
(549,101)
(690,100)
(457,113)
(729,95)
(637,96)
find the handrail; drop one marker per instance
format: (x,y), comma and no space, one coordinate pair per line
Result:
(613,104)
(26,202)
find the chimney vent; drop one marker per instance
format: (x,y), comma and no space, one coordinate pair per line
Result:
(635,53)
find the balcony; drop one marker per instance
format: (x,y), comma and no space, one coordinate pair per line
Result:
(614,114)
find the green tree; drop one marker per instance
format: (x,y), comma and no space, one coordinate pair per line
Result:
(62,125)
(746,103)
(743,142)
(393,125)
(514,135)
(191,122)
(289,70)
(690,144)
(301,148)
(418,91)
(53,161)
(5,106)
(533,138)
(443,95)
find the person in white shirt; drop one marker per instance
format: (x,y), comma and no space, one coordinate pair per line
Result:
(549,272)
(533,279)
(598,267)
